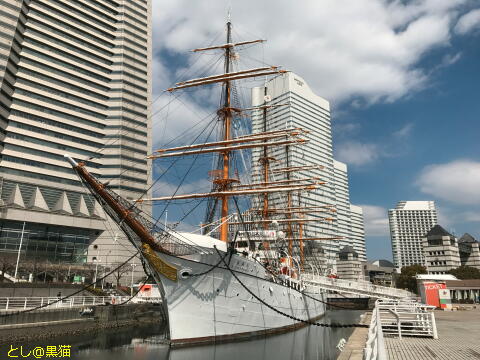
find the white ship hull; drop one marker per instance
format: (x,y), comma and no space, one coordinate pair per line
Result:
(216,307)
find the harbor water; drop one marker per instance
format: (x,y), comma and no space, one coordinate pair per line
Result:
(148,343)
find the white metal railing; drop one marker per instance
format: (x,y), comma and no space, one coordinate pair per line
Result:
(355,287)
(375,345)
(397,318)
(407,318)
(24,303)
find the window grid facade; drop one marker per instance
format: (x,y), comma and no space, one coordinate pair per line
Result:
(409,222)
(74,76)
(311,113)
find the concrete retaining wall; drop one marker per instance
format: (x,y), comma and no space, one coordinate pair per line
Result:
(44,324)
(39,290)
(38,316)
(348,303)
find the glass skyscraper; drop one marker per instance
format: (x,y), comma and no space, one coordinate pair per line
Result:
(75,77)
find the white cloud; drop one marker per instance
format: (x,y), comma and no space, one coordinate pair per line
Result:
(404,131)
(450,216)
(457,181)
(468,22)
(450,59)
(164,188)
(175,117)
(363,48)
(344,129)
(470,216)
(376,220)
(355,153)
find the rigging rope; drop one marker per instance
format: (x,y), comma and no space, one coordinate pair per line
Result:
(308,322)
(271,272)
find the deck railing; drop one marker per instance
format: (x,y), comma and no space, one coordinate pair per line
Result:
(397,318)
(375,345)
(407,318)
(355,287)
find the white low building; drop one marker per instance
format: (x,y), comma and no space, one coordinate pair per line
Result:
(440,250)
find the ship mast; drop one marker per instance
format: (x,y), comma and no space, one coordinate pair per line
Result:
(227,185)
(265,161)
(227,119)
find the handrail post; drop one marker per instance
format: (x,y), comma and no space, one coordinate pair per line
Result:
(25,305)
(6,306)
(434,327)
(381,351)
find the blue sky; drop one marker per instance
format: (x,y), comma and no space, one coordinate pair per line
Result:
(438,125)
(402,78)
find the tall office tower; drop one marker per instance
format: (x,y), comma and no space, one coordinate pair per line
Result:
(300,107)
(409,222)
(74,78)
(357,231)
(349,217)
(342,200)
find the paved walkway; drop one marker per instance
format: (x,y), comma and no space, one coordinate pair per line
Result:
(458,338)
(356,342)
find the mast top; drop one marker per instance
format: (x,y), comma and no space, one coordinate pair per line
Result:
(229,45)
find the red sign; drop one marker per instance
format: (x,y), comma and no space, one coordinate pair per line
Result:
(430,293)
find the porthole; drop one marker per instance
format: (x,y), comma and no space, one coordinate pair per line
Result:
(185,273)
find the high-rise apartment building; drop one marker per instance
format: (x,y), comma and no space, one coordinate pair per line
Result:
(300,107)
(357,231)
(74,78)
(409,222)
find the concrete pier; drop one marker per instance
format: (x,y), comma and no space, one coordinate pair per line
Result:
(458,338)
(353,350)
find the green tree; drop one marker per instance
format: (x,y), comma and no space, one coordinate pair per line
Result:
(407,280)
(465,273)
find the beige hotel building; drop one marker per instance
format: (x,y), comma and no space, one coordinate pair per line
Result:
(75,77)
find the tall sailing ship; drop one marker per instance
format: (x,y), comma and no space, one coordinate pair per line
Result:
(242,276)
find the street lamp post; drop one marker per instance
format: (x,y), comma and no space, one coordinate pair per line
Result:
(97,260)
(19,251)
(131,285)
(104,266)
(96,271)
(103,275)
